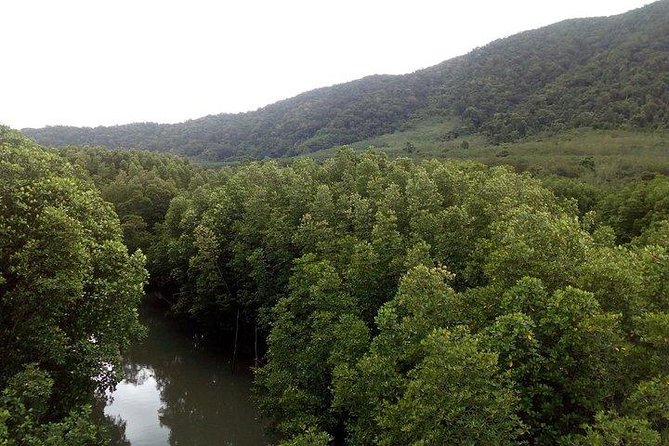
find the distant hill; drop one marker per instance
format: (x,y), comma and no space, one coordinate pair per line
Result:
(603,73)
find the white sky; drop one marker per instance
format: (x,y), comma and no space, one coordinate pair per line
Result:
(104,62)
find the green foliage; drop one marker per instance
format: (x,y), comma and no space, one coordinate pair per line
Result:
(537,244)
(396,302)
(25,415)
(141,186)
(68,295)
(636,206)
(379,281)
(310,438)
(476,408)
(612,430)
(314,328)
(395,393)
(650,401)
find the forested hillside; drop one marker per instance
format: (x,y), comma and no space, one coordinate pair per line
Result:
(311,121)
(603,73)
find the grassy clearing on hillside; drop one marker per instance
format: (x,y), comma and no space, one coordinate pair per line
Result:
(592,155)
(606,155)
(600,155)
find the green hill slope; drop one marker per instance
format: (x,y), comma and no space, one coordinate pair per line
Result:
(604,73)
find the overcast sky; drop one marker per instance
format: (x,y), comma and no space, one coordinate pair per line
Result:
(105,62)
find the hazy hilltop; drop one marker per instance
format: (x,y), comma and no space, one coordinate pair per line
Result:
(604,73)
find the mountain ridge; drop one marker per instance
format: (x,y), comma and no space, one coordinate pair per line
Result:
(604,72)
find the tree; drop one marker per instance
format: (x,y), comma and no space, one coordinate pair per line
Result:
(69,290)
(25,415)
(315,328)
(454,396)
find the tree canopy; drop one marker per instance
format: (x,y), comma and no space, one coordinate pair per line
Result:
(431,303)
(386,301)
(69,291)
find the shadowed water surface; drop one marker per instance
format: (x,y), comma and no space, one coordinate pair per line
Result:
(181,392)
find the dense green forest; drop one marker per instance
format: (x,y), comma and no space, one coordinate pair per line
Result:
(495,272)
(395,301)
(69,292)
(384,286)
(603,73)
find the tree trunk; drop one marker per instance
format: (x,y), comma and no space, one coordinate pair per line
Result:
(255,343)
(234,350)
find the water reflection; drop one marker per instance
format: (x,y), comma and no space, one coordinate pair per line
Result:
(180,393)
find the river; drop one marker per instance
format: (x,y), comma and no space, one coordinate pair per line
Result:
(181,391)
